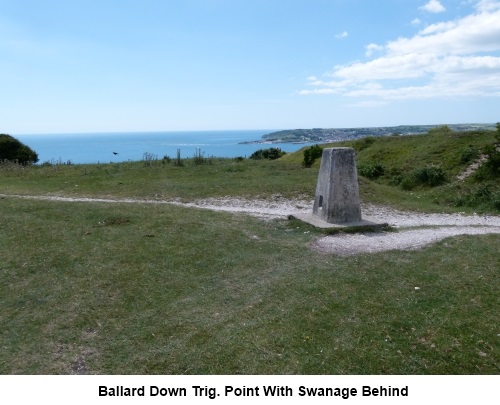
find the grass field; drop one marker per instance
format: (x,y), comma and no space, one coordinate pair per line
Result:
(117,288)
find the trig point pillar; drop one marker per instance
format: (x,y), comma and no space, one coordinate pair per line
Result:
(337,196)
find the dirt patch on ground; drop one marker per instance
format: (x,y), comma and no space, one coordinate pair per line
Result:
(415,230)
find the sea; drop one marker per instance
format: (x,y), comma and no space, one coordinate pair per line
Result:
(133,146)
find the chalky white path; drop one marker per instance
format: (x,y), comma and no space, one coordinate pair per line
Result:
(440,226)
(347,245)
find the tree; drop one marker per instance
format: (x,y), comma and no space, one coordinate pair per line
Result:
(13,150)
(498,132)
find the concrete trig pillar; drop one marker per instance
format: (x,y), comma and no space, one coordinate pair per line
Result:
(337,196)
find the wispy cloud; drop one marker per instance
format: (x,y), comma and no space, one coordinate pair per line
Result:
(372,48)
(456,58)
(342,35)
(433,6)
(488,5)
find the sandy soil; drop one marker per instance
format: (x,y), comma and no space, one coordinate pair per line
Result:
(415,230)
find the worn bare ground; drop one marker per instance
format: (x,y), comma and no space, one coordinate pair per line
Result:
(415,230)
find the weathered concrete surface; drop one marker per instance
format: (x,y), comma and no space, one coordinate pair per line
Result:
(337,195)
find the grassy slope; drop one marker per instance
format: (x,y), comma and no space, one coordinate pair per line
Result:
(399,156)
(133,288)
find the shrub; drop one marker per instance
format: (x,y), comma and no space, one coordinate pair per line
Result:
(491,167)
(468,155)
(493,163)
(270,153)
(431,176)
(311,154)
(15,151)
(371,171)
(482,196)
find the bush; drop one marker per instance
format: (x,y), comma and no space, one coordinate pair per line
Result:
(480,197)
(490,169)
(493,163)
(468,155)
(371,171)
(270,153)
(15,151)
(311,154)
(431,176)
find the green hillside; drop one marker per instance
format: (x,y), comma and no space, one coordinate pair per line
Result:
(395,169)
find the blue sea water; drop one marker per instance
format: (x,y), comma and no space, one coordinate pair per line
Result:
(131,146)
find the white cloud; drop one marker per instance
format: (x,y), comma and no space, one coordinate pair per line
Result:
(372,48)
(433,6)
(487,5)
(416,21)
(459,58)
(342,35)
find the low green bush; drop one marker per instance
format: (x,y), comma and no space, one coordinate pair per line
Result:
(479,197)
(371,171)
(430,176)
(269,153)
(311,154)
(468,155)
(490,169)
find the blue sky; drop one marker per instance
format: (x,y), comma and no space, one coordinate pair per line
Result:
(159,65)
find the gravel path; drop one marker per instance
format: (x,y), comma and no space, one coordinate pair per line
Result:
(348,245)
(439,226)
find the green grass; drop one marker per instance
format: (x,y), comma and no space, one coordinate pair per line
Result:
(143,289)
(120,288)
(224,177)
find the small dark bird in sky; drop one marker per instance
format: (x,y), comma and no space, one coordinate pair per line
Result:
(115,153)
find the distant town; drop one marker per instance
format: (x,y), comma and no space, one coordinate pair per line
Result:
(326,135)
